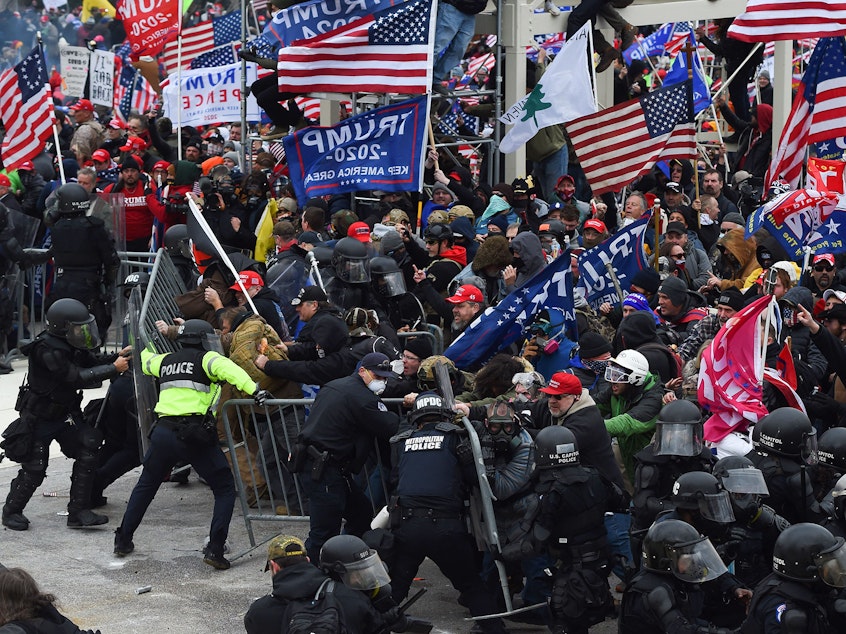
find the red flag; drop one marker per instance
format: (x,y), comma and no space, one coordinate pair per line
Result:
(731,373)
(785,367)
(788,391)
(388,51)
(826,175)
(618,144)
(26,109)
(767,20)
(149,28)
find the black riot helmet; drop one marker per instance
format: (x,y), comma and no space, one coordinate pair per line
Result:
(438,232)
(809,552)
(787,432)
(832,449)
(177,243)
(678,430)
(351,261)
(838,494)
(701,491)
(72,200)
(387,278)
(196,333)
(357,565)
(138,278)
(429,407)
(556,446)
(675,547)
(745,485)
(69,319)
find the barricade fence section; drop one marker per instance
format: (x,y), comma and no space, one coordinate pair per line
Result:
(258,443)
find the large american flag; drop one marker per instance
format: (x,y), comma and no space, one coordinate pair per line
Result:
(616,145)
(388,51)
(132,90)
(202,38)
(26,109)
(767,20)
(817,112)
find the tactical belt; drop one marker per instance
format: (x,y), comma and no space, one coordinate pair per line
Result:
(434,514)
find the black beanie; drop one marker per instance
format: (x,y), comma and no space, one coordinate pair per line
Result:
(675,289)
(647,279)
(419,346)
(732,298)
(592,345)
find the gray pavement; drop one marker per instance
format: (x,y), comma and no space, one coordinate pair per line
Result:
(97,590)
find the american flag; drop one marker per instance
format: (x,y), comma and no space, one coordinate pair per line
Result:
(616,145)
(26,109)
(449,122)
(475,63)
(388,51)
(220,56)
(816,114)
(767,20)
(678,39)
(259,6)
(201,38)
(132,90)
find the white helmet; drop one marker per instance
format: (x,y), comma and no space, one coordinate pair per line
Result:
(630,366)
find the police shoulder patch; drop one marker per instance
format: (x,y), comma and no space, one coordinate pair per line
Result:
(780,610)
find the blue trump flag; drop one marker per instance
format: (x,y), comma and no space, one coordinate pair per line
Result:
(653,44)
(501,325)
(678,73)
(624,251)
(379,149)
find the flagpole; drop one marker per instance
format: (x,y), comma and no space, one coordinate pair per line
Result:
(734,74)
(40,45)
(593,70)
(179,86)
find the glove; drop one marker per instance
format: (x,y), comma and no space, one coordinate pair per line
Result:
(464,453)
(248,55)
(261,396)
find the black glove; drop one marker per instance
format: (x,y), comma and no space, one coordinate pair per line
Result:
(248,55)
(260,396)
(464,453)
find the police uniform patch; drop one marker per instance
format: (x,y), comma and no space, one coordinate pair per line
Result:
(780,610)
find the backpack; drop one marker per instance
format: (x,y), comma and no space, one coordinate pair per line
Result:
(676,363)
(322,614)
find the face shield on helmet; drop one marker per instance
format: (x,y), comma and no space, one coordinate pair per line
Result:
(748,480)
(367,574)
(716,507)
(83,335)
(696,562)
(831,565)
(211,342)
(809,451)
(352,269)
(390,284)
(678,439)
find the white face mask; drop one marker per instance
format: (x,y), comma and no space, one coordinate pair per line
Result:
(377,386)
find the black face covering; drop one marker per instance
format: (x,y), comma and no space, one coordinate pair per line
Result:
(518,263)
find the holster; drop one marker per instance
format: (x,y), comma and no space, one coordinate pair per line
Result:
(318,467)
(394,512)
(23,397)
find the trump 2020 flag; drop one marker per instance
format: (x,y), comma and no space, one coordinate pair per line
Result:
(624,251)
(389,50)
(655,43)
(501,325)
(731,373)
(802,218)
(379,149)
(563,93)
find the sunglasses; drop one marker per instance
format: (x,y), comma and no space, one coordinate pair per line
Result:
(819,268)
(431,241)
(558,397)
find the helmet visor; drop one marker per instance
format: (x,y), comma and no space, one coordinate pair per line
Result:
(84,336)
(678,439)
(810,454)
(354,271)
(391,284)
(696,562)
(367,574)
(616,374)
(211,342)
(716,507)
(748,480)
(832,565)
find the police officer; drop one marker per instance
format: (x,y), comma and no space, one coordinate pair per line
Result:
(432,470)
(178,247)
(836,520)
(798,597)
(569,526)
(82,273)
(831,466)
(785,441)
(666,595)
(350,286)
(186,430)
(60,364)
(337,439)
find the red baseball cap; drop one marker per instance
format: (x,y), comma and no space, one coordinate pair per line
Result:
(161,165)
(466,293)
(83,104)
(117,124)
(248,279)
(823,257)
(360,231)
(134,143)
(4,181)
(26,165)
(563,383)
(596,225)
(101,155)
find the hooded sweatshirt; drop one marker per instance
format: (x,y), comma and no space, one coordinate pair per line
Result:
(743,251)
(528,245)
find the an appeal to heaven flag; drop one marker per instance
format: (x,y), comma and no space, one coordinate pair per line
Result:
(562,94)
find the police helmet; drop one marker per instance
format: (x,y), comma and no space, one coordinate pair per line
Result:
(678,430)
(809,552)
(72,200)
(138,278)
(195,333)
(745,484)
(351,261)
(358,566)
(426,379)
(439,232)
(838,493)
(832,449)
(69,319)
(429,407)
(675,547)
(701,491)
(556,446)
(630,366)
(787,432)
(388,280)
(177,243)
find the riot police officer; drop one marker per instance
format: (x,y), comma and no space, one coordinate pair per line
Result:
(178,246)
(85,273)
(785,442)
(186,430)
(350,286)
(60,364)
(798,597)
(832,465)
(429,482)
(836,520)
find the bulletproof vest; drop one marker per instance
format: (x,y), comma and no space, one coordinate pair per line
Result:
(795,596)
(184,368)
(345,295)
(784,480)
(45,385)
(428,467)
(69,235)
(573,507)
(654,478)
(636,617)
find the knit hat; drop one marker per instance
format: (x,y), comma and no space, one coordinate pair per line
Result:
(647,279)
(675,289)
(390,242)
(129,163)
(420,347)
(442,187)
(732,298)
(592,345)
(734,217)
(637,301)
(499,221)
(234,157)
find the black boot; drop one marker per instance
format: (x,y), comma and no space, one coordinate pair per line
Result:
(22,489)
(123,545)
(79,508)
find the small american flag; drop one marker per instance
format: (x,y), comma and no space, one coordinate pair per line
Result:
(201,38)
(389,51)
(132,90)
(487,60)
(259,6)
(26,109)
(618,144)
(449,122)
(220,56)
(767,20)
(678,39)
(277,149)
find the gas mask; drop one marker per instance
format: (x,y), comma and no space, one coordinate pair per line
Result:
(501,424)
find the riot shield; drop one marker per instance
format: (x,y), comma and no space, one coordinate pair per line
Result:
(110,209)
(405,310)
(146,394)
(285,279)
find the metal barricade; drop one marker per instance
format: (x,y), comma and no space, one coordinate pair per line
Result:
(165,284)
(258,443)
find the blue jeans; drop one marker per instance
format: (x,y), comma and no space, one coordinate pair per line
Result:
(453,31)
(617,527)
(547,172)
